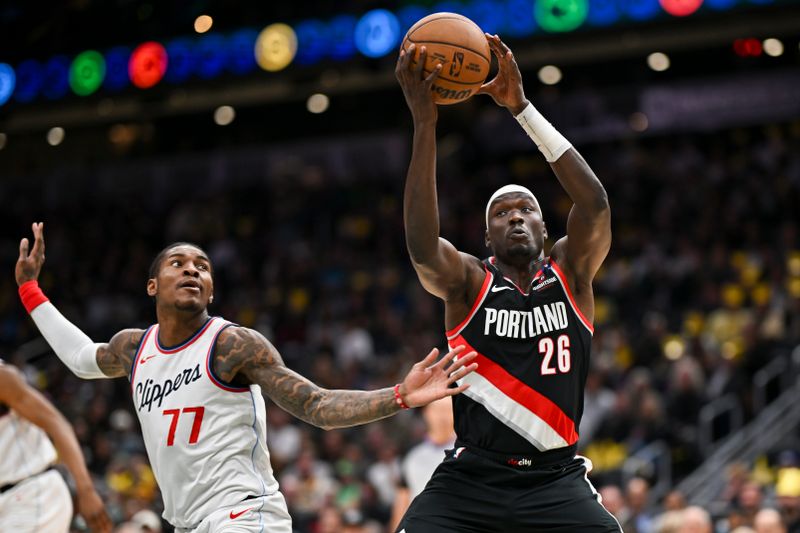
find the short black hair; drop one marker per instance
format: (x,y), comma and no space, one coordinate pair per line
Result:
(156,264)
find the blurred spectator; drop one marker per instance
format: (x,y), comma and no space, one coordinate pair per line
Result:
(769,521)
(695,520)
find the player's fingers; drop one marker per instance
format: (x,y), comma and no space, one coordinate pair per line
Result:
(462,361)
(38,240)
(444,361)
(461,372)
(434,74)
(429,359)
(501,45)
(420,66)
(457,390)
(23,249)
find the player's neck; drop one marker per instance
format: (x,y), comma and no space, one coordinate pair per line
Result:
(520,272)
(176,326)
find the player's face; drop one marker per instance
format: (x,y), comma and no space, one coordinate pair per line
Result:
(184,279)
(516,228)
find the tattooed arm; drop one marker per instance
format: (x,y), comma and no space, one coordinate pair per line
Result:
(244,356)
(115,358)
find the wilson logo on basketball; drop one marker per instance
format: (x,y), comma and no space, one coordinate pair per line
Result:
(456,64)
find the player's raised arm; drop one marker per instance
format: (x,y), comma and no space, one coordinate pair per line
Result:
(85,358)
(244,356)
(589,225)
(442,270)
(31,405)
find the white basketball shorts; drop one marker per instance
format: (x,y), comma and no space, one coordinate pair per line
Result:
(267,514)
(39,504)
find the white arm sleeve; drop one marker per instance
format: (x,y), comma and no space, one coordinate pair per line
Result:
(71,345)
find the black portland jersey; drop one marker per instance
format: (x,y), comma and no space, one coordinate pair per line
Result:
(526,397)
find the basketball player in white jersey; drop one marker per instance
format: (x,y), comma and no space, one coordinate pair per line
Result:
(196,383)
(33,496)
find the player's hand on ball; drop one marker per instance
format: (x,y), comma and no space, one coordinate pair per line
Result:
(416,85)
(30,264)
(430,380)
(506,87)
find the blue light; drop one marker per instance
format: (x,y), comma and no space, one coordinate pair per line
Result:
(377,33)
(181,60)
(7,82)
(341,30)
(117,77)
(56,77)
(212,54)
(312,41)
(448,6)
(519,18)
(488,14)
(640,9)
(603,12)
(720,5)
(241,51)
(409,15)
(29,81)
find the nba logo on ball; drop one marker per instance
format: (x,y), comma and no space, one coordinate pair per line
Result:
(455,66)
(460,46)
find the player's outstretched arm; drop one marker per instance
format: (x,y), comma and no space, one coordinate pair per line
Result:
(30,404)
(244,356)
(85,358)
(589,223)
(442,270)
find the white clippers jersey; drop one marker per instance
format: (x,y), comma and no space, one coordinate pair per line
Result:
(206,440)
(25,449)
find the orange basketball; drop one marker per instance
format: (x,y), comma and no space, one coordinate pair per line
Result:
(460,46)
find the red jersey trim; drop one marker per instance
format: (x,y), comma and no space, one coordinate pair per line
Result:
(563,279)
(188,342)
(210,371)
(487,281)
(139,351)
(524,395)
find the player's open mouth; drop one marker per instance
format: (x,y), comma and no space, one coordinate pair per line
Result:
(192,286)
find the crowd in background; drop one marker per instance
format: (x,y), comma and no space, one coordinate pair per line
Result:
(700,290)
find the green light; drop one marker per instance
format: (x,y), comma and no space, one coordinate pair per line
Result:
(87,72)
(561,15)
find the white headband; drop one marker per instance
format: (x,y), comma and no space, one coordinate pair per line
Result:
(506,189)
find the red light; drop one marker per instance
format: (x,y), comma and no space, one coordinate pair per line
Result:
(147,65)
(680,8)
(747,47)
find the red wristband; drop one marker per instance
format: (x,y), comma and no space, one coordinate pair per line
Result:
(399,399)
(31,295)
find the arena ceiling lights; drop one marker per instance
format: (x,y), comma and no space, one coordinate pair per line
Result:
(374,34)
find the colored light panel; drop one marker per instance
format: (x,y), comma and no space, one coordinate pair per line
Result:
(409,15)
(312,41)
(488,14)
(117,60)
(681,8)
(720,5)
(340,32)
(30,77)
(56,77)
(212,53)
(276,47)
(561,15)
(603,13)
(241,51)
(377,33)
(519,20)
(87,72)
(147,65)
(639,10)
(181,60)
(7,82)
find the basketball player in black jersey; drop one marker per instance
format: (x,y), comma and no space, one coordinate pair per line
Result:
(527,315)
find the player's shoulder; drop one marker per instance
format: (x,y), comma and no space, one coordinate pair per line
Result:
(235,338)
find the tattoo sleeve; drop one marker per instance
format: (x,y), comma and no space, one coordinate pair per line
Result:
(115,359)
(245,356)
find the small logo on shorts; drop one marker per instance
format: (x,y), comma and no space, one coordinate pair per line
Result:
(520,462)
(234,516)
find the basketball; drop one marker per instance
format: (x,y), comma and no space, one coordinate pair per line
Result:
(460,46)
